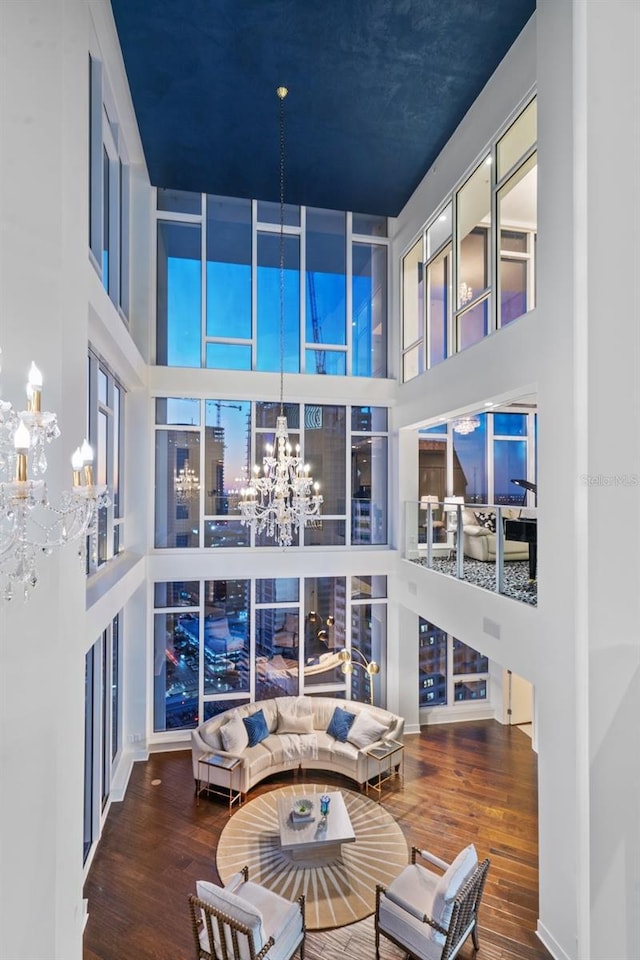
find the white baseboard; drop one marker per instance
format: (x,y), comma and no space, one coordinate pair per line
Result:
(125,766)
(411,728)
(168,746)
(550,943)
(459,715)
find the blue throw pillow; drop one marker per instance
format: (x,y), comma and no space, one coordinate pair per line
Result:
(257,728)
(340,724)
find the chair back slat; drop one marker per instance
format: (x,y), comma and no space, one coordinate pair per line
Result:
(227,930)
(465,910)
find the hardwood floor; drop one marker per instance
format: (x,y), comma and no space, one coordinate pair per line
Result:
(466,782)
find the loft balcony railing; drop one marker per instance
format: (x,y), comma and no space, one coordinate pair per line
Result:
(493,546)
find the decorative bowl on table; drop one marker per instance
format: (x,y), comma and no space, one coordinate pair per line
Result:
(302,809)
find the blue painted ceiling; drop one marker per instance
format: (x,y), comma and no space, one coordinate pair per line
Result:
(377,87)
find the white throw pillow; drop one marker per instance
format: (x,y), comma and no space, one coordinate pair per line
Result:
(365,730)
(234,734)
(294,722)
(210,733)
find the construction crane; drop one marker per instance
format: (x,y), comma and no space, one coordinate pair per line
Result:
(223,403)
(321,357)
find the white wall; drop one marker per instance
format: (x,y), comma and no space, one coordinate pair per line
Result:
(579,351)
(51,305)
(43,252)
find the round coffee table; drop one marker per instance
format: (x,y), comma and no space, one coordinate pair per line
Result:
(339,889)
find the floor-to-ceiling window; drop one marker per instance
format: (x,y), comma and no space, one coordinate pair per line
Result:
(105,430)
(450,672)
(471,270)
(109,192)
(218,643)
(224,309)
(205,448)
(102,725)
(480,466)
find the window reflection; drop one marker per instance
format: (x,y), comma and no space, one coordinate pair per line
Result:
(177,493)
(324,451)
(179,299)
(473,325)
(474,221)
(175,674)
(324,629)
(412,295)
(517,219)
(438,284)
(269,303)
(297,630)
(369,318)
(226,636)
(470,452)
(432,677)
(325,281)
(368,490)
(226,455)
(228,271)
(277,652)
(509,460)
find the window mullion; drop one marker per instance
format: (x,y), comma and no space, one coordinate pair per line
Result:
(348,309)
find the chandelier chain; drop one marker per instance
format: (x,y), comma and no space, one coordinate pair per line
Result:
(281,96)
(283,498)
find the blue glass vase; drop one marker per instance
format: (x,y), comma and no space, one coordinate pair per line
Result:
(324,804)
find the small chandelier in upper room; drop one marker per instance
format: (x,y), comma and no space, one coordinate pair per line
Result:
(466,424)
(284,498)
(465,294)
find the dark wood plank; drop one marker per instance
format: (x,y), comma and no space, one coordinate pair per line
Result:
(467,782)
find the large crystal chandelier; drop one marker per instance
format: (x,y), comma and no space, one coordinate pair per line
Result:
(29,524)
(284,497)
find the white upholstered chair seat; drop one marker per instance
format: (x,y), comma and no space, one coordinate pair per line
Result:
(255,921)
(429,914)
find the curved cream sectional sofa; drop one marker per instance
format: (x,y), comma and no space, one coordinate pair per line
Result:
(280,752)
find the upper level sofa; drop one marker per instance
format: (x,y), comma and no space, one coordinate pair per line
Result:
(480,537)
(294,734)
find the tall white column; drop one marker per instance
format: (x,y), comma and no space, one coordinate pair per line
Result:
(589,441)
(43,306)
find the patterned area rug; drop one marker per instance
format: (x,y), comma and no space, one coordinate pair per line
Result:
(337,892)
(483,574)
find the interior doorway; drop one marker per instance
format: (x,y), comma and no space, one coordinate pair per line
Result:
(519,703)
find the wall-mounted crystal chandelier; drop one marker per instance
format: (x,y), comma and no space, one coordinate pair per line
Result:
(465,425)
(29,524)
(285,497)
